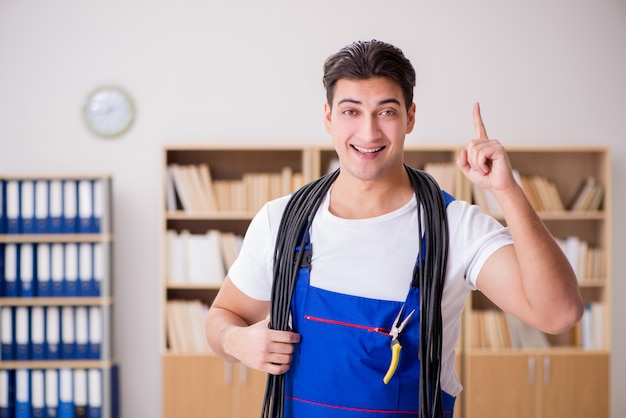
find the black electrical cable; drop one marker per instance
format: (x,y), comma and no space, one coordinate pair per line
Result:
(428,276)
(292,234)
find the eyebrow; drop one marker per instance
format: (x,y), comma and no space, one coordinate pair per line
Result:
(382,102)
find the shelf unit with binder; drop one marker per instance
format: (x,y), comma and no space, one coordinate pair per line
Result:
(484,372)
(56,296)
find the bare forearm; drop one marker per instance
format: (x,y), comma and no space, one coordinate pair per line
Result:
(547,278)
(219,322)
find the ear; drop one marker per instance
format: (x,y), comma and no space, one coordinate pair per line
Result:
(327,114)
(410,124)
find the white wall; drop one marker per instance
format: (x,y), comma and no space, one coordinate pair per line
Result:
(250,71)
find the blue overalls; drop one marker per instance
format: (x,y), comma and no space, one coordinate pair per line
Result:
(338,367)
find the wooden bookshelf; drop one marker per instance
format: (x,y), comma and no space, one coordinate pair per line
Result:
(570,376)
(196,382)
(92,241)
(486,372)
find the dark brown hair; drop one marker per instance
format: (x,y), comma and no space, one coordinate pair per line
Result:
(362,60)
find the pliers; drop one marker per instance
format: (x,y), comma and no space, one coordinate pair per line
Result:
(395,332)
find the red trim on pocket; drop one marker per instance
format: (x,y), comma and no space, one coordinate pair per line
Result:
(348,324)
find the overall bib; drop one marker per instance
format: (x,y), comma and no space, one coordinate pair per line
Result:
(338,367)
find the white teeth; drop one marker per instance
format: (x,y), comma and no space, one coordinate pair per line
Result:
(367,150)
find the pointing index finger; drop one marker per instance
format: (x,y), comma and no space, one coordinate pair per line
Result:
(479,126)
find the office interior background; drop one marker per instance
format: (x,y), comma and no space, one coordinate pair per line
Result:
(209,72)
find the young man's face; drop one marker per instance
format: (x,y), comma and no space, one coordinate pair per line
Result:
(368,122)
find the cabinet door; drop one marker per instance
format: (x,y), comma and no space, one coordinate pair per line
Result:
(575,386)
(197,387)
(500,386)
(249,392)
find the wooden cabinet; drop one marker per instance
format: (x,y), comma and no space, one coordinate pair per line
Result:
(204,386)
(56,292)
(526,384)
(498,381)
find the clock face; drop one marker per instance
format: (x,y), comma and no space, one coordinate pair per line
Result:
(109,112)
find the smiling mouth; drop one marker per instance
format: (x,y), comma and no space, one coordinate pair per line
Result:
(367,150)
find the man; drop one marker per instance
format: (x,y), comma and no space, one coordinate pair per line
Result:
(337,356)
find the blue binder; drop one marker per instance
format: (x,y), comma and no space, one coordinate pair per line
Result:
(85,206)
(52,393)
(81,327)
(95,332)
(37,332)
(26,271)
(55,207)
(70,207)
(22,393)
(57,270)
(68,333)
(5,394)
(85,270)
(53,333)
(37,394)
(2,285)
(70,276)
(42,201)
(101,205)
(7,335)
(94,396)
(11,271)
(66,393)
(22,333)
(12,203)
(43,271)
(99,267)
(27,207)
(3,216)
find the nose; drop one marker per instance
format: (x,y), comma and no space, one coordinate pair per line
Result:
(369,128)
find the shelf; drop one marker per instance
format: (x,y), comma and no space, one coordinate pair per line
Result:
(58,301)
(57,364)
(552,351)
(54,238)
(192,286)
(205,216)
(566,216)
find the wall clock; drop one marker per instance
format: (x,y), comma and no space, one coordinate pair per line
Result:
(109,111)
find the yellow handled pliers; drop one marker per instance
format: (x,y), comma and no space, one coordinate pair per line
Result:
(395,332)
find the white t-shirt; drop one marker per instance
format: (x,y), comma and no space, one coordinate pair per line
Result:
(375,257)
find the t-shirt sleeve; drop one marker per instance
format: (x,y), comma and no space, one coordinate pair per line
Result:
(481,236)
(252,270)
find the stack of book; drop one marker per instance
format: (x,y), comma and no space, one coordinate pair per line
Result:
(451,179)
(542,194)
(587,261)
(495,329)
(589,333)
(185,327)
(588,197)
(192,189)
(200,259)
